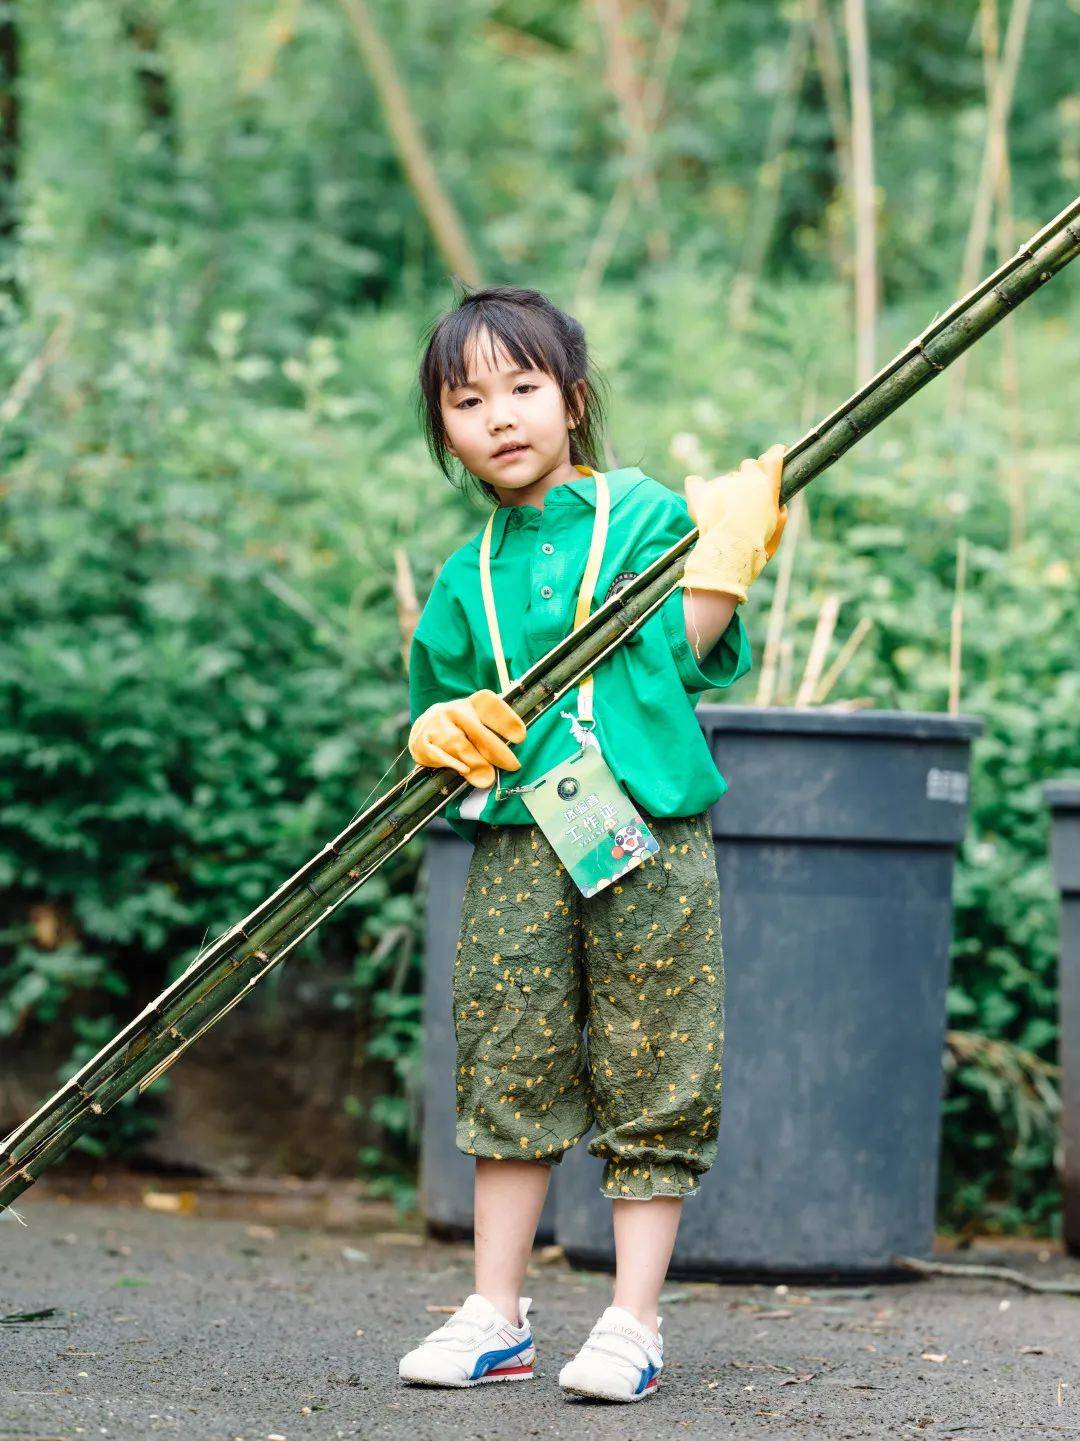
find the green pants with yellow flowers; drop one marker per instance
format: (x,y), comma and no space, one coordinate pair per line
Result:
(638,968)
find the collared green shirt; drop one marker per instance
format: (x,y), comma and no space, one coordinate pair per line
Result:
(644,693)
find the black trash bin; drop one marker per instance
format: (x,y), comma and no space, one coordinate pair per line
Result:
(1063,798)
(835,848)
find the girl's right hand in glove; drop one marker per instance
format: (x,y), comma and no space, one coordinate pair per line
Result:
(464,734)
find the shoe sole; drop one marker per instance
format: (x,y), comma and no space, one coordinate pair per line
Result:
(519,1373)
(650,1390)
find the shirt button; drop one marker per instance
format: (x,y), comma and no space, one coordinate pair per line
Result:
(548,548)
(546,591)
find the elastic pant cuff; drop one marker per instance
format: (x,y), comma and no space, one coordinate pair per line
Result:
(642,1180)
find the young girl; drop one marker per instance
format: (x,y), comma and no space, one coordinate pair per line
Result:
(507,390)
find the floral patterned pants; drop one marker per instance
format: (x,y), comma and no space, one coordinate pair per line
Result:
(638,968)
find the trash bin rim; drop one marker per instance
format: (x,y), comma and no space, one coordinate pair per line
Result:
(1062,794)
(815,720)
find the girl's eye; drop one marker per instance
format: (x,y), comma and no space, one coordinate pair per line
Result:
(468,401)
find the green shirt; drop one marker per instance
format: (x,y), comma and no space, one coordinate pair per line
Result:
(644,693)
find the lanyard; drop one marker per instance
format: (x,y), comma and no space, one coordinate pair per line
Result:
(585,594)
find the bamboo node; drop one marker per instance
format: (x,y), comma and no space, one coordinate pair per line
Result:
(931,362)
(1008,304)
(261,956)
(354,874)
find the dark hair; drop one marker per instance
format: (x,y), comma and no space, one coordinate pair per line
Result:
(535,333)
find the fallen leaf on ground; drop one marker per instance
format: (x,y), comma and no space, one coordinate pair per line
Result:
(935,1356)
(177,1203)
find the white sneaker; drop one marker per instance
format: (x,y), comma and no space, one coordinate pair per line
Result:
(621,1360)
(474,1345)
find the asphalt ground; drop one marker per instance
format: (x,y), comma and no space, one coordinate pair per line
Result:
(156,1310)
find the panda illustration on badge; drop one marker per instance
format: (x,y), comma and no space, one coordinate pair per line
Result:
(629,841)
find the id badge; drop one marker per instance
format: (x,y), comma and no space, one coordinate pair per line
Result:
(592,824)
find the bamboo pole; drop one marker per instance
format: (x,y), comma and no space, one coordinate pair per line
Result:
(401,122)
(244,954)
(863,206)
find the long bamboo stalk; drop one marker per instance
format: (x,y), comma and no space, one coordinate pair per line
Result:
(238,959)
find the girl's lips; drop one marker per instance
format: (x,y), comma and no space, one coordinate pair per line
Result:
(510,454)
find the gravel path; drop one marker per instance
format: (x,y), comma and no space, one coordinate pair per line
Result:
(215,1326)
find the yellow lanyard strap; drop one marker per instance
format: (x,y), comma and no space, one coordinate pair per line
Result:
(585,594)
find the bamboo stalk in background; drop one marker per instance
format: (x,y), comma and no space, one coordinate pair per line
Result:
(863,204)
(618,209)
(827,56)
(623,81)
(1012,469)
(280,31)
(232,965)
(765,202)
(412,150)
(998,107)
(956,628)
(33,372)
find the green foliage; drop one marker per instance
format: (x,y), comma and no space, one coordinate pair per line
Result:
(203,493)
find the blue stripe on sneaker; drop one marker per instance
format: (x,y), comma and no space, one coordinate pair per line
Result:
(490,1359)
(646,1376)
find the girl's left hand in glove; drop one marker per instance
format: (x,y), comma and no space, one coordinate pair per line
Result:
(741,521)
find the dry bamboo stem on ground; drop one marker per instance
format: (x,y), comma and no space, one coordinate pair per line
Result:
(844,657)
(234,963)
(819,649)
(990,1273)
(774,630)
(956,628)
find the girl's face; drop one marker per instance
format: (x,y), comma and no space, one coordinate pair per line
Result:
(507,425)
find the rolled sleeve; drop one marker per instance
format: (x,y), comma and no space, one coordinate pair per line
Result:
(727,660)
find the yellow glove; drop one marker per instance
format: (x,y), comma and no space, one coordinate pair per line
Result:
(464,734)
(741,521)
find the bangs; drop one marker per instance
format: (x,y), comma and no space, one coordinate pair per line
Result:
(535,335)
(526,337)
